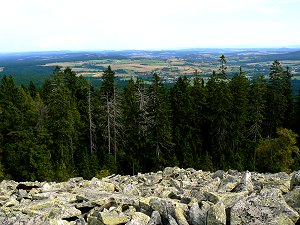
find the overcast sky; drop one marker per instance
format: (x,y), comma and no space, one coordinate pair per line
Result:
(38,25)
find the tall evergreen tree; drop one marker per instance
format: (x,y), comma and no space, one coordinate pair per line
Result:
(181,104)
(257,114)
(159,143)
(279,101)
(63,124)
(223,67)
(112,114)
(219,120)
(25,141)
(240,88)
(132,123)
(200,123)
(32,89)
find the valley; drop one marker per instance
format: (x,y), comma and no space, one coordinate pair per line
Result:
(143,64)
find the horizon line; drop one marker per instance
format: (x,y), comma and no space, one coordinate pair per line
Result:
(157,49)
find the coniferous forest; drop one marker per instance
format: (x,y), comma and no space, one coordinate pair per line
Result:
(69,128)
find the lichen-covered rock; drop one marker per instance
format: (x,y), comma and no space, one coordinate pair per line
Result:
(295,180)
(173,196)
(199,190)
(218,173)
(12,201)
(113,217)
(245,183)
(216,215)
(281,181)
(155,219)
(262,208)
(181,214)
(130,189)
(171,220)
(197,215)
(228,184)
(229,199)
(164,207)
(139,218)
(293,198)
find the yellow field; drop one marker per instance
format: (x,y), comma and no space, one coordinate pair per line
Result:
(129,67)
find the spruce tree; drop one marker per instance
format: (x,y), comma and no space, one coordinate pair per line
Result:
(240,87)
(223,67)
(257,116)
(112,115)
(279,100)
(199,123)
(63,124)
(219,120)
(159,138)
(131,121)
(181,105)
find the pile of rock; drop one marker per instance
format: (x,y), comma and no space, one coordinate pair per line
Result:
(173,196)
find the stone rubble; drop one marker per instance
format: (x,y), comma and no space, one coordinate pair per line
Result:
(173,196)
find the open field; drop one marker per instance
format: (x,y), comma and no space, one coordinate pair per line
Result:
(142,64)
(131,67)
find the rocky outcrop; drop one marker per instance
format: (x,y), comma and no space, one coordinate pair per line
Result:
(171,197)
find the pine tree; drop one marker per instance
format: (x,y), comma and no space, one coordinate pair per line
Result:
(240,88)
(257,114)
(223,67)
(219,120)
(131,120)
(32,89)
(112,113)
(279,100)
(63,124)
(199,122)
(181,105)
(23,143)
(159,143)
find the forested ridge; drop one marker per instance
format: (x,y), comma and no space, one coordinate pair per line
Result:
(69,128)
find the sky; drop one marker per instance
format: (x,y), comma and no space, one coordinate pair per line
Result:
(51,25)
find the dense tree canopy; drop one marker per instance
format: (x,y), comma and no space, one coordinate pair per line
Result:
(68,128)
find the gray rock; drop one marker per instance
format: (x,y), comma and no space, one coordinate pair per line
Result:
(199,190)
(113,217)
(12,201)
(130,189)
(228,184)
(245,183)
(171,220)
(80,221)
(46,187)
(197,215)
(155,219)
(218,173)
(229,199)
(175,196)
(139,218)
(181,214)
(293,198)
(163,206)
(281,181)
(216,215)
(295,181)
(264,208)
